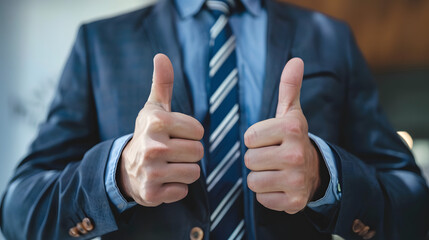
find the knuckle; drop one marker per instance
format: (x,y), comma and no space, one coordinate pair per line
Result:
(296,157)
(261,199)
(284,157)
(199,130)
(174,193)
(248,159)
(184,192)
(178,194)
(294,127)
(297,180)
(195,172)
(160,114)
(140,118)
(155,151)
(292,211)
(199,150)
(150,196)
(141,113)
(297,203)
(192,173)
(266,202)
(251,181)
(249,137)
(143,202)
(153,174)
(303,122)
(157,121)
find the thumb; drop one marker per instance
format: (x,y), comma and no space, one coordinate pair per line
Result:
(162,82)
(290,87)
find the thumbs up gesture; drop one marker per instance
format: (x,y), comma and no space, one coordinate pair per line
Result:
(160,160)
(284,163)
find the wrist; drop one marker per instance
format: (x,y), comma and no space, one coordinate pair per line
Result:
(123,180)
(322,181)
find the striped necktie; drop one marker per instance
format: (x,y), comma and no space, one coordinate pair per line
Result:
(224,179)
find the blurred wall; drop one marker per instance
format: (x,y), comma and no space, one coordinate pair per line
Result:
(391,33)
(35,39)
(394,38)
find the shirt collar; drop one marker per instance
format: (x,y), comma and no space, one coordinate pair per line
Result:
(187,8)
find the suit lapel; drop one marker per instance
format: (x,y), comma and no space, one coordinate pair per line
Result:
(280,34)
(161,31)
(279,41)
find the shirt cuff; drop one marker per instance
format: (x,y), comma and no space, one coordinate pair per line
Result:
(112,189)
(333,192)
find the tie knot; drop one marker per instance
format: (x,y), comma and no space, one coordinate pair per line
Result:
(221,7)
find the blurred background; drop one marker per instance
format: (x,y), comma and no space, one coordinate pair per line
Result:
(36,37)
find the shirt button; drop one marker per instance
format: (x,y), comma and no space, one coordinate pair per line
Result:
(196,233)
(121,205)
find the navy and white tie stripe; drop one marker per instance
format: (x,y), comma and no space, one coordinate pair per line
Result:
(224,180)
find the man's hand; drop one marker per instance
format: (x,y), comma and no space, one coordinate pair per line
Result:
(161,159)
(283,161)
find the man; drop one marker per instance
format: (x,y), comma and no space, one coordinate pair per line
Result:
(286,153)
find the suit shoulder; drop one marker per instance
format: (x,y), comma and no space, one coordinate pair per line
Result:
(313,22)
(323,42)
(127,19)
(115,26)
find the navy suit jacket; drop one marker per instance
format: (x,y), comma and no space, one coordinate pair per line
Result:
(105,83)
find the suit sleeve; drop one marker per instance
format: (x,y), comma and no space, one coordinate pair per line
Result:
(381,184)
(61,181)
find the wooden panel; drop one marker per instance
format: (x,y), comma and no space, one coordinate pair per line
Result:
(391,33)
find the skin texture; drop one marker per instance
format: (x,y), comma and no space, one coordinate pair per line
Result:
(284,163)
(160,160)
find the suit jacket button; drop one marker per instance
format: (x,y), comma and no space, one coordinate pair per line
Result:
(80,228)
(74,232)
(87,224)
(364,231)
(358,226)
(196,233)
(369,235)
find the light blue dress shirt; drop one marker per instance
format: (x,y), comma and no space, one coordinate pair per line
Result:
(249,27)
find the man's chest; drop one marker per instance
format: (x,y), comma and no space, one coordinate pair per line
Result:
(121,87)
